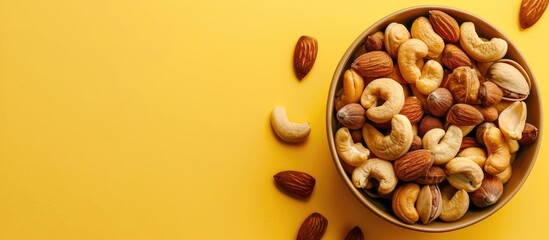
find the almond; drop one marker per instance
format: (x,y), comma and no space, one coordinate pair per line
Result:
(490,113)
(444,25)
(355,234)
(468,142)
(304,55)
(373,64)
(434,175)
(453,57)
(313,227)
(296,184)
(531,11)
(464,115)
(413,164)
(412,109)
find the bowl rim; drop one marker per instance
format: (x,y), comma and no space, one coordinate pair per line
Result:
(330,116)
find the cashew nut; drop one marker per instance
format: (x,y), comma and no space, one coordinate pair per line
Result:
(431,77)
(464,174)
(395,35)
(499,157)
(353,85)
(506,174)
(482,51)
(444,144)
(475,154)
(286,130)
(454,203)
(423,30)
(409,53)
(379,169)
(352,153)
(388,90)
(403,202)
(395,144)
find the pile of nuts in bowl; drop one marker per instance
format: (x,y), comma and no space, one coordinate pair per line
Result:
(431,118)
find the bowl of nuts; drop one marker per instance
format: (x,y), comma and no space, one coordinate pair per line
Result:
(433,118)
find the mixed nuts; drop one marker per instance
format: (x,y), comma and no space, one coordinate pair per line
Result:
(442,116)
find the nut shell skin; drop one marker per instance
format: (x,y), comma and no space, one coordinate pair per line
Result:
(489,192)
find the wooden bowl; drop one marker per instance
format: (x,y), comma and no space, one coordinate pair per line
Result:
(525,158)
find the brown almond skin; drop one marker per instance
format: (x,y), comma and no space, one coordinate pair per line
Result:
(463,114)
(355,234)
(444,25)
(468,142)
(313,227)
(412,109)
(295,183)
(434,175)
(413,165)
(305,53)
(373,64)
(531,11)
(453,57)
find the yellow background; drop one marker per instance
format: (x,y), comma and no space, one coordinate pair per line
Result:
(135,119)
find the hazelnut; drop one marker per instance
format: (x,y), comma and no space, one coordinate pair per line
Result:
(416,143)
(427,123)
(439,102)
(489,93)
(479,135)
(468,142)
(374,42)
(489,192)
(529,134)
(352,115)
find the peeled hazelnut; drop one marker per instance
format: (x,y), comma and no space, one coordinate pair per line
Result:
(489,93)
(489,192)
(352,115)
(529,134)
(412,109)
(439,102)
(427,123)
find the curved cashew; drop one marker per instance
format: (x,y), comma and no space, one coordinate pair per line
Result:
(444,144)
(388,90)
(353,85)
(408,54)
(431,77)
(506,174)
(478,49)
(499,157)
(379,169)
(286,130)
(464,174)
(423,30)
(395,144)
(454,203)
(403,203)
(352,153)
(475,154)
(395,35)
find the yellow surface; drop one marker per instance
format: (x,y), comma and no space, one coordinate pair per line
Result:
(134,119)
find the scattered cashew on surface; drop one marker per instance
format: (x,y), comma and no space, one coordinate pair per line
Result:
(287,130)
